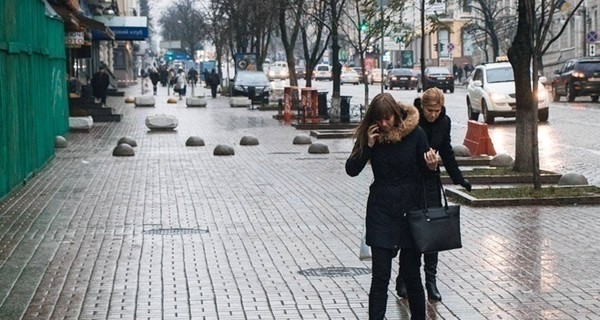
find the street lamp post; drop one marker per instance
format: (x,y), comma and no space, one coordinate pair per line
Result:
(382,43)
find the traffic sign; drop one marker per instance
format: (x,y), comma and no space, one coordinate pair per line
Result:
(592,50)
(450,46)
(592,36)
(398,40)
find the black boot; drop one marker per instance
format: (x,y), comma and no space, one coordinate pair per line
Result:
(430,282)
(401,287)
(416,304)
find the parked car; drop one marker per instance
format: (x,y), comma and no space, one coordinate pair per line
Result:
(438,77)
(376,76)
(400,78)
(252,84)
(577,77)
(300,72)
(322,72)
(349,76)
(491,91)
(367,73)
(278,72)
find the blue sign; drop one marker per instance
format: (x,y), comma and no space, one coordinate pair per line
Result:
(123,33)
(592,36)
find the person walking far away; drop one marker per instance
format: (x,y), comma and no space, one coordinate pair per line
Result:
(193,76)
(154,77)
(437,125)
(390,138)
(100,82)
(213,81)
(181,84)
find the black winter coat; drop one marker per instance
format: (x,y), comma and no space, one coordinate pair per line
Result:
(100,82)
(398,166)
(438,135)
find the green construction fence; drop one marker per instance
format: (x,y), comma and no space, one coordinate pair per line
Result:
(33,93)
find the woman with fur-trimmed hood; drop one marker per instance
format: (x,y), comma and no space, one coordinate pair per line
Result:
(391,140)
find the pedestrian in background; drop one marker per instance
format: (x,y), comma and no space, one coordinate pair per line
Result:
(213,81)
(181,84)
(193,76)
(154,77)
(100,82)
(391,140)
(437,125)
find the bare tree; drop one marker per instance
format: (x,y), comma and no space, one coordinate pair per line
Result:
(528,47)
(315,35)
(217,31)
(492,23)
(184,21)
(290,16)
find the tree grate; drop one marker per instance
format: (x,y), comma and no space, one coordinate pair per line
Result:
(175,231)
(333,272)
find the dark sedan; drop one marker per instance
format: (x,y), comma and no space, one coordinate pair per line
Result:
(252,84)
(400,78)
(438,77)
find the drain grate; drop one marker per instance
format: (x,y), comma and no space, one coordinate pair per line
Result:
(175,231)
(333,272)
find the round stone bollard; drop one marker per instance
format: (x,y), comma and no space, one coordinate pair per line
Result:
(172,100)
(318,147)
(60,142)
(501,160)
(302,139)
(194,141)
(128,140)
(223,150)
(249,141)
(130,100)
(572,179)
(123,150)
(461,151)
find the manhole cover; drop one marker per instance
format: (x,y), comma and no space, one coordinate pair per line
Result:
(332,272)
(174,231)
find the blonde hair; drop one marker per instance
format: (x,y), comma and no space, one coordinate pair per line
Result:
(432,96)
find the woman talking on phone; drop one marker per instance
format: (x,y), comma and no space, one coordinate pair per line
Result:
(389,137)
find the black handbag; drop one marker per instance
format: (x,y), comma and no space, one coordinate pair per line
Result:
(436,229)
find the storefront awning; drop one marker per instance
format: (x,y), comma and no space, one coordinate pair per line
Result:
(76,21)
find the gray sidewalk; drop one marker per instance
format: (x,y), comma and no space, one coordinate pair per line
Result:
(269,233)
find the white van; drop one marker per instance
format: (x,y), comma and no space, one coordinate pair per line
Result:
(323,72)
(280,64)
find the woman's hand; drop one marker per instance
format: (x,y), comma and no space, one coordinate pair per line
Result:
(431,159)
(373,134)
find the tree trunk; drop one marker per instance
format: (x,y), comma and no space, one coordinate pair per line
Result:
(520,55)
(335,60)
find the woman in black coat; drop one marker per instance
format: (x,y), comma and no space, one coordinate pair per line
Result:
(390,139)
(437,125)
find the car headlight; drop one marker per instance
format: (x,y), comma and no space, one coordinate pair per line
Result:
(497,97)
(238,88)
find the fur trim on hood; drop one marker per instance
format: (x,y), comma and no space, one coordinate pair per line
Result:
(406,126)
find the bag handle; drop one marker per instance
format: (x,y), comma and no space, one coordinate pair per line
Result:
(425,210)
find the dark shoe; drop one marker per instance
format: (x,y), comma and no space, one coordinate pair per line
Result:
(401,288)
(432,291)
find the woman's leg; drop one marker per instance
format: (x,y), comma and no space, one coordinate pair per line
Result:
(380,279)
(431,261)
(410,264)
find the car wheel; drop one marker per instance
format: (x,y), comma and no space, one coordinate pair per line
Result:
(570,93)
(543,115)
(555,95)
(473,115)
(452,90)
(594,98)
(487,118)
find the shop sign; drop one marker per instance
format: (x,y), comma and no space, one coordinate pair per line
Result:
(74,39)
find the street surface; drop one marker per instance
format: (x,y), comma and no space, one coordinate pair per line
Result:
(273,232)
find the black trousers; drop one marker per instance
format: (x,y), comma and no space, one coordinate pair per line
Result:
(213,91)
(410,263)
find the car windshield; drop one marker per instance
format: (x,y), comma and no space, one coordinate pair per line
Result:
(401,72)
(500,75)
(438,71)
(251,78)
(322,68)
(589,66)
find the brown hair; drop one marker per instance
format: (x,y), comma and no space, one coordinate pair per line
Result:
(381,107)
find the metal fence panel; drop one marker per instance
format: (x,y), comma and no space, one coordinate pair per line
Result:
(33,93)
